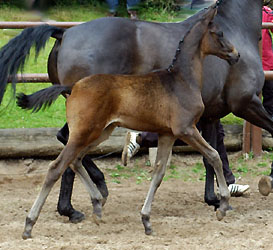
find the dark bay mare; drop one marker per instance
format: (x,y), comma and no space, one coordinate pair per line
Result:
(123,46)
(98,103)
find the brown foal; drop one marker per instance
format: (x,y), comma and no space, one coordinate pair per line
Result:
(168,102)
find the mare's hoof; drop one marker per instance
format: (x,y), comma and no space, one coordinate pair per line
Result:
(26,235)
(220,214)
(214,202)
(265,185)
(76,217)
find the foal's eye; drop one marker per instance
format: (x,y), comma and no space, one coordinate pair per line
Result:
(220,33)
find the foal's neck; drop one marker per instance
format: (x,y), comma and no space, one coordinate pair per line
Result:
(189,60)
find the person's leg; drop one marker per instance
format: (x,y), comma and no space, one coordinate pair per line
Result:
(132,8)
(220,147)
(113,5)
(266,182)
(268,96)
(234,189)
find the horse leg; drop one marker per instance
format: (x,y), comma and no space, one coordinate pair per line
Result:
(76,145)
(257,115)
(91,189)
(165,144)
(56,169)
(209,134)
(191,136)
(64,204)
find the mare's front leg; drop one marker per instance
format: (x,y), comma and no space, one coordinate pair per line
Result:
(165,144)
(64,204)
(56,169)
(191,136)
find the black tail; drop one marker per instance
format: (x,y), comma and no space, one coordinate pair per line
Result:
(42,98)
(15,52)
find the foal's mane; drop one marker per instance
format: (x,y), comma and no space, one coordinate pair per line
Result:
(178,50)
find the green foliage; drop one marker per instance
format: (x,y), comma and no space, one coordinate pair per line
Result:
(269,3)
(165,5)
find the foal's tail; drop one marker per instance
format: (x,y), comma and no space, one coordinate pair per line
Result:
(42,98)
(16,51)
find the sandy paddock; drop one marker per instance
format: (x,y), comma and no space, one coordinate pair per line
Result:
(180,218)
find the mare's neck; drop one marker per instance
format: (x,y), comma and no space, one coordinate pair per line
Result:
(240,18)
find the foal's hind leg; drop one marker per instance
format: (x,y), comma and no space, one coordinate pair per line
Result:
(165,144)
(56,169)
(193,138)
(95,195)
(64,204)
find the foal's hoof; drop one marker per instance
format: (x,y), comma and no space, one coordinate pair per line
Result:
(147,225)
(76,217)
(265,185)
(103,201)
(220,214)
(97,219)
(26,235)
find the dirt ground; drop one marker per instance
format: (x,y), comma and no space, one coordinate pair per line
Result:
(180,218)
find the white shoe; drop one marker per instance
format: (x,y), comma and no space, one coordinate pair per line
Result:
(130,148)
(237,189)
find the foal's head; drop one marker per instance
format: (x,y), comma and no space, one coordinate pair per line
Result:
(214,43)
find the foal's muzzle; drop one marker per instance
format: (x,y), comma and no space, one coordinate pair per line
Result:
(233,57)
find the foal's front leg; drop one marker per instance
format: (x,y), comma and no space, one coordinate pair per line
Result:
(193,138)
(165,144)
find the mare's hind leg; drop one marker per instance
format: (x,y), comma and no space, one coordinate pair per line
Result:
(165,144)
(193,138)
(64,204)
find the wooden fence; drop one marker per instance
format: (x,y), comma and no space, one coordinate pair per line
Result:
(252,135)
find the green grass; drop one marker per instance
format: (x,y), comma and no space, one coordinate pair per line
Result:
(13,117)
(192,171)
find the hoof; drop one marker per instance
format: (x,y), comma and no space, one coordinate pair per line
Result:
(96,219)
(265,185)
(213,202)
(148,231)
(26,235)
(103,201)
(220,214)
(147,225)
(76,217)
